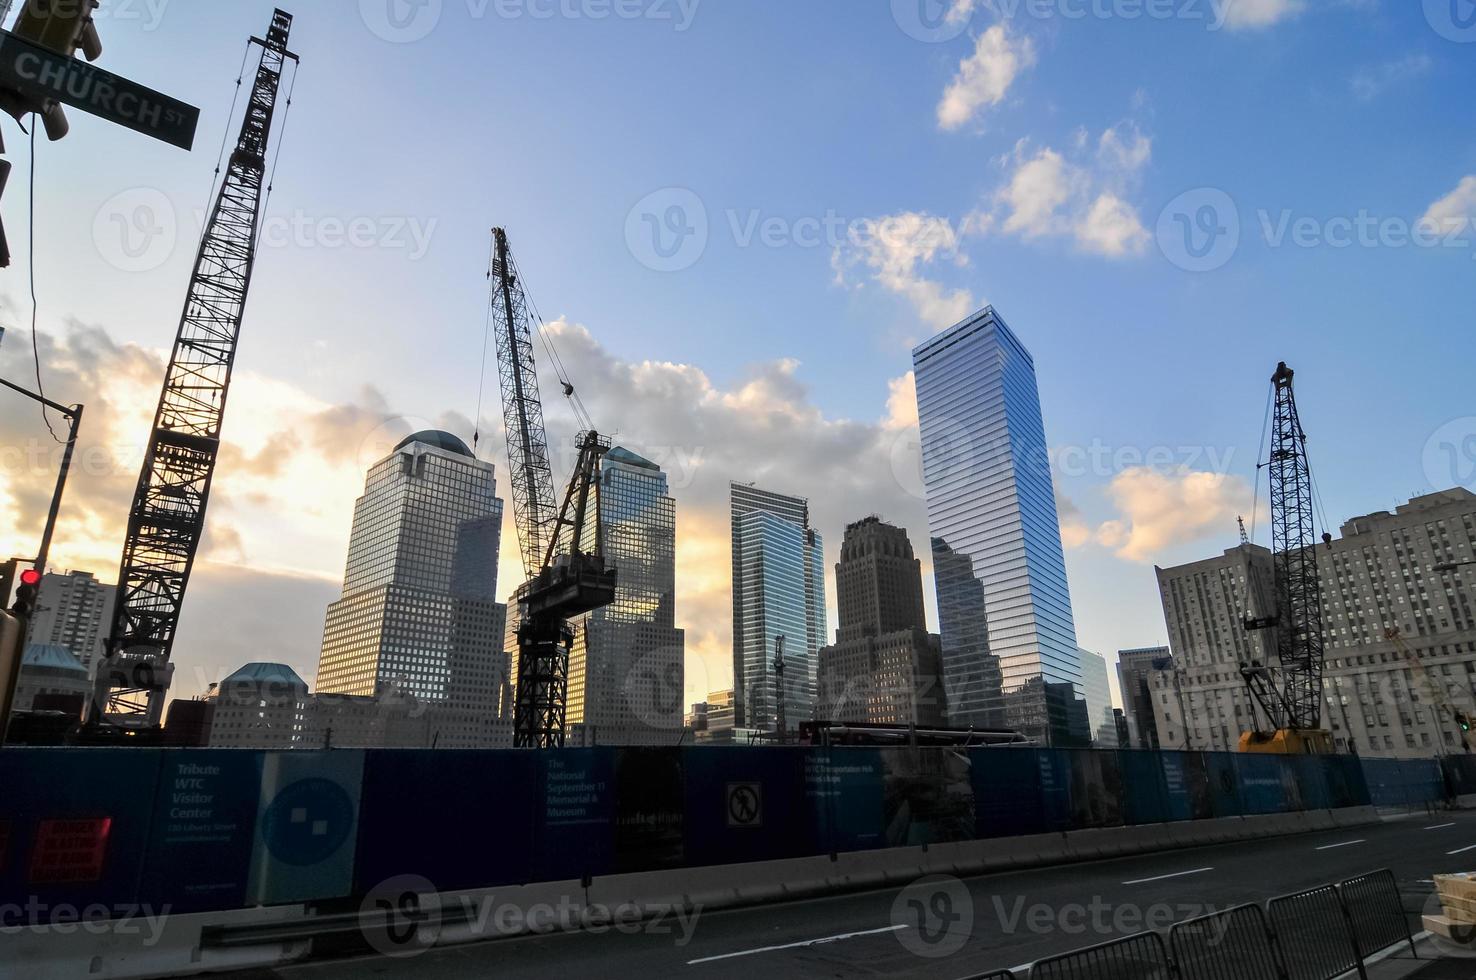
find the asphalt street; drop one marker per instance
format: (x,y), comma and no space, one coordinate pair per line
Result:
(950,928)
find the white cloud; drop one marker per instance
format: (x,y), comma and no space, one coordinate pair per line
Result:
(1371,82)
(1158,510)
(1049,195)
(1257,14)
(1456,211)
(894,249)
(984,78)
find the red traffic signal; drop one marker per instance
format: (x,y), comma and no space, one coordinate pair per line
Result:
(30,577)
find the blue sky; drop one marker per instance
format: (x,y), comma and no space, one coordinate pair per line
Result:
(1010,153)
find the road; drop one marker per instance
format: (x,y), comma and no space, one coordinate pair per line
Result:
(953,929)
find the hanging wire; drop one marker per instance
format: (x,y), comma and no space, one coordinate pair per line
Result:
(226,131)
(276,157)
(570,392)
(486,338)
(31,264)
(1260,456)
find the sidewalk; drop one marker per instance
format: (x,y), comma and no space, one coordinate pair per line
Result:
(1433,964)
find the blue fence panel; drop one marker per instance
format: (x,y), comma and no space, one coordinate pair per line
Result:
(1224,784)
(1007,799)
(1403,782)
(1261,787)
(574,833)
(1055,788)
(1148,779)
(1096,789)
(74,827)
(452,818)
(203,830)
(746,804)
(844,789)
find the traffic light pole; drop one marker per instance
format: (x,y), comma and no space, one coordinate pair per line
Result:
(73,415)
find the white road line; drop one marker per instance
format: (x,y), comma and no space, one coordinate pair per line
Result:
(1461,850)
(798,945)
(1440,826)
(1178,874)
(1328,847)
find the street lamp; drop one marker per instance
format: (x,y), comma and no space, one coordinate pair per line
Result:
(1452,566)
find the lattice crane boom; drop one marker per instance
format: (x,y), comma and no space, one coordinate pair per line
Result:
(564,579)
(167,518)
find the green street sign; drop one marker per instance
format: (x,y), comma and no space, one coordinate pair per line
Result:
(40,72)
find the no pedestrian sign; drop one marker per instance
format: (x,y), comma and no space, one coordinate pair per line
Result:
(745,805)
(40,72)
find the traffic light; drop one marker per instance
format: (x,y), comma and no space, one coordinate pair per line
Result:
(1464,720)
(25,596)
(63,26)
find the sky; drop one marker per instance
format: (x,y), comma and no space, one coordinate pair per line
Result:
(738,217)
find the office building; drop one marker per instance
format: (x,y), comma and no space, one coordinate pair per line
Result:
(418,614)
(991,497)
(1096,691)
(75,611)
(626,669)
(884,667)
(717,716)
(1134,671)
(778,591)
(1408,571)
(51,678)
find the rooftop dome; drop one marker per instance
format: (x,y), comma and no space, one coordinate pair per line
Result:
(438,440)
(265,674)
(52,657)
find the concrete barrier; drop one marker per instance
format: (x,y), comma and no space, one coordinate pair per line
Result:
(182,945)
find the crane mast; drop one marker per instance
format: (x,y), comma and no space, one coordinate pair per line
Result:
(1291,696)
(564,580)
(167,517)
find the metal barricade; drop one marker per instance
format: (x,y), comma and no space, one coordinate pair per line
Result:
(1235,944)
(1139,957)
(997,975)
(1376,912)
(1314,935)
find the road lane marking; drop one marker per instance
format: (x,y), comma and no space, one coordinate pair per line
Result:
(1461,850)
(1178,874)
(798,945)
(1328,847)
(1440,826)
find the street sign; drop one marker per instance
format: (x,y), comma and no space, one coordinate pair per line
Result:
(745,805)
(36,71)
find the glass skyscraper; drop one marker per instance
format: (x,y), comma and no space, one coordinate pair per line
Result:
(991,497)
(419,612)
(778,590)
(626,669)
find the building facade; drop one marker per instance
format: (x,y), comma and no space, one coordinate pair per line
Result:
(972,680)
(419,614)
(1399,571)
(1135,671)
(778,591)
(75,611)
(50,676)
(626,669)
(884,667)
(1096,691)
(991,497)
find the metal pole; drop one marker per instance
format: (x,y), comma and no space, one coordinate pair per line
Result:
(61,483)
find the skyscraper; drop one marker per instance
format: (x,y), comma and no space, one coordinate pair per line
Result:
(884,667)
(75,611)
(1096,691)
(419,612)
(1134,670)
(778,590)
(627,665)
(991,496)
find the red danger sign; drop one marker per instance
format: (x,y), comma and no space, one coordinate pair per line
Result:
(70,851)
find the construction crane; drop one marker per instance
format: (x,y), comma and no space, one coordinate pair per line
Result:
(167,518)
(563,549)
(1290,694)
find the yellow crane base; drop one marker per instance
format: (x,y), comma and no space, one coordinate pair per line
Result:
(1288,741)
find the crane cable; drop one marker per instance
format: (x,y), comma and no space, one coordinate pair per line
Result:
(486,338)
(1260,455)
(277,157)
